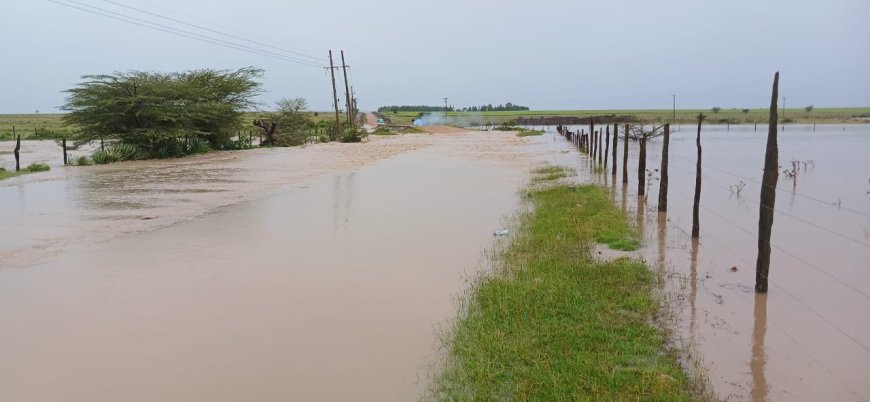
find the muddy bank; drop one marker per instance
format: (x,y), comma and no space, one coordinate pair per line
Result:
(331,288)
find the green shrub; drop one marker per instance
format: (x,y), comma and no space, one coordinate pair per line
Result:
(37,167)
(352,135)
(81,160)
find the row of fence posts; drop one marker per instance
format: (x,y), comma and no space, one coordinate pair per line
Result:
(591,145)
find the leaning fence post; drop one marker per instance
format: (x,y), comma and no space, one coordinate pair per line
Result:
(625,155)
(17,147)
(63,143)
(768,195)
(663,182)
(615,141)
(641,165)
(606,146)
(696,226)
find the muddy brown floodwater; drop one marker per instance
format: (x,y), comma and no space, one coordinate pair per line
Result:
(809,338)
(323,273)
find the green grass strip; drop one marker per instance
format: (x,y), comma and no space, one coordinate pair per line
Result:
(554,324)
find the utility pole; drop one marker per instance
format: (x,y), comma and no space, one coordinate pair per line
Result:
(445,105)
(334,96)
(347,96)
(353,109)
(674,119)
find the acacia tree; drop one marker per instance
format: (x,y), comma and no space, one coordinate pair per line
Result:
(154,110)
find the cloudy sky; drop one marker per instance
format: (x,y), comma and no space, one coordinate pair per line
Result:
(545,54)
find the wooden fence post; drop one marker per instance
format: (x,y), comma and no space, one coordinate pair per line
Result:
(600,139)
(768,195)
(594,144)
(606,146)
(641,165)
(63,143)
(663,182)
(615,141)
(592,136)
(17,148)
(625,155)
(696,226)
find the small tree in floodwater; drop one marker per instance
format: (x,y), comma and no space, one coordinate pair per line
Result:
(161,111)
(809,108)
(287,126)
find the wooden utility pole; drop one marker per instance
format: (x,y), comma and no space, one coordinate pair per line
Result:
(663,182)
(625,155)
(696,225)
(615,141)
(768,195)
(64,151)
(337,128)
(347,96)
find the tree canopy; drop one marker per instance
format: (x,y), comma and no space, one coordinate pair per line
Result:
(149,109)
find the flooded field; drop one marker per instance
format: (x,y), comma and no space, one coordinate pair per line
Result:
(809,338)
(323,273)
(327,272)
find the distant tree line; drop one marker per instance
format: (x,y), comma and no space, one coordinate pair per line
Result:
(508,107)
(419,108)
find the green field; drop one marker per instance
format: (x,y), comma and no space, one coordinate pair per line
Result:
(685,116)
(50,125)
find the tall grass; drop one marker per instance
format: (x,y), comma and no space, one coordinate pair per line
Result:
(553,323)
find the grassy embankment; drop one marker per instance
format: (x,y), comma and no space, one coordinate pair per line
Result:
(684,116)
(32,168)
(552,322)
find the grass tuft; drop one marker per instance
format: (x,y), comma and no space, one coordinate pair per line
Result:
(552,323)
(550,173)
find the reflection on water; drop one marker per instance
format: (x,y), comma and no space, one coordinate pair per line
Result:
(333,288)
(759,355)
(693,292)
(342,189)
(662,236)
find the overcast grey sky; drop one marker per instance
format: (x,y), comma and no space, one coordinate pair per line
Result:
(545,54)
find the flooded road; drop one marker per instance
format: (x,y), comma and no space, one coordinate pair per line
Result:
(809,338)
(284,279)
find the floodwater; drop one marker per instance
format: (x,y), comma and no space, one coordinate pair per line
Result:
(809,337)
(323,273)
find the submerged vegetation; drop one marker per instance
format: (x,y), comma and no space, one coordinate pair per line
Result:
(32,168)
(554,323)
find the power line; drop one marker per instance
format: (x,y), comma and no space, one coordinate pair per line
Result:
(318,59)
(186,34)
